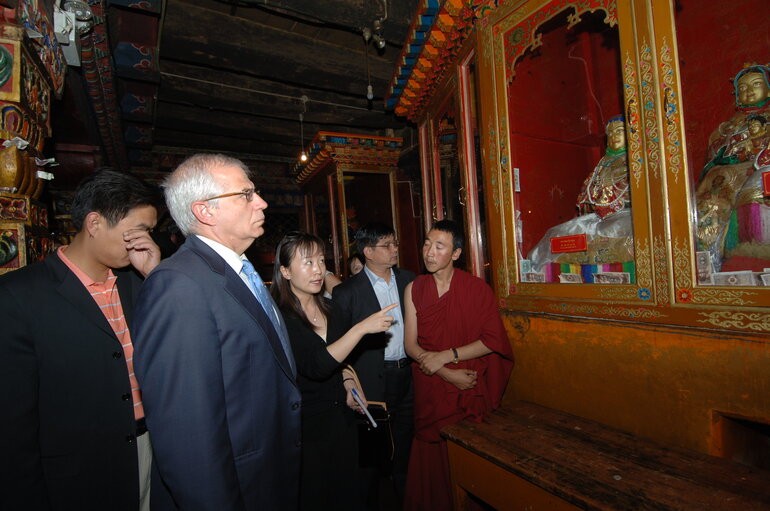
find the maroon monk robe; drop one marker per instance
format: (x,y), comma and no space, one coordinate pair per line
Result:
(464,314)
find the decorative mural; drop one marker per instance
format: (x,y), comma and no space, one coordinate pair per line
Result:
(136,61)
(137,107)
(34,19)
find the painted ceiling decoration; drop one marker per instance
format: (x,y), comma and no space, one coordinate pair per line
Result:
(348,151)
(436,36)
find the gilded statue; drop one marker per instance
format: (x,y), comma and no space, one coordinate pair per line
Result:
(604,211)
(726,183)
(605,191)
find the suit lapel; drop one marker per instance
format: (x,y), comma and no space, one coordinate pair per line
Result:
(370,297)
(70,287)
(370,302)
(242,294)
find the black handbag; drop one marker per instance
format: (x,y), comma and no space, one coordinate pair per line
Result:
(375,443)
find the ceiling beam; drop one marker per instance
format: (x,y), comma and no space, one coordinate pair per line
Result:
(184,83)
(240,127)
(352,15)
(247,47)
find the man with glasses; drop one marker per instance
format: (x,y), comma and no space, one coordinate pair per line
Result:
(216,369)
(379,359)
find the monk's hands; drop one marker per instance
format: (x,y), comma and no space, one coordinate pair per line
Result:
(432,361)
(463,379)
(143,253)
(379,321)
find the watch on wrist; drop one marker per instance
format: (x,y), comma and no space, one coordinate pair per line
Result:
(457,358)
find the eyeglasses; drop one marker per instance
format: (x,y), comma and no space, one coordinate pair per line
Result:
(247,194)
(390,244)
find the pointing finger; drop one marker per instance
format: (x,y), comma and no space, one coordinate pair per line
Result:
(389,308)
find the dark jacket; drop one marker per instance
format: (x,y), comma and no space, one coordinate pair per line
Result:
(221,400)
(67,435)
(352,301)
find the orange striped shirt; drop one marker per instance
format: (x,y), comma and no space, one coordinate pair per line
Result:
(106,296)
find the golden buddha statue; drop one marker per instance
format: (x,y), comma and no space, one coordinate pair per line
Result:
(733,149)
(604,211)
(605,191)
(752,100)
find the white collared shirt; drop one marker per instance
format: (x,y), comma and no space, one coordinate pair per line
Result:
(235,262)
(232,259)
(387,294)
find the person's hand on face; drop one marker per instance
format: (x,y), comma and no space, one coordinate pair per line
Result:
(143,253)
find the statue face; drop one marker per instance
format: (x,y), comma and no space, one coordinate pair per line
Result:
(755,127)
(616,136)
(752,89)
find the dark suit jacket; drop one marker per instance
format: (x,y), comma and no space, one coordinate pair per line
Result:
(352,301)
(67,429)
(222,404)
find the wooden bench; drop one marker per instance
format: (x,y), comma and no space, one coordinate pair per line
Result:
(532,458)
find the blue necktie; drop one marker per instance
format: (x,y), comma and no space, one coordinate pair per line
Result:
(259,290)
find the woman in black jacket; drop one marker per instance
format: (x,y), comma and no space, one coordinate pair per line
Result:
(329,475)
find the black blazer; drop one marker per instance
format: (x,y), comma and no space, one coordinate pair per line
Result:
(67,436)
(352,301)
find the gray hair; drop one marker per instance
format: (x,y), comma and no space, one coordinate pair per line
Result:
(192,181)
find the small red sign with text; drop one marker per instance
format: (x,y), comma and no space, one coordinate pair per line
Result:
(573,243)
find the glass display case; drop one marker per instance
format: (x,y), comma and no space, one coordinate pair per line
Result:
(667,225)
(572,196)
(719,162)
(566,136)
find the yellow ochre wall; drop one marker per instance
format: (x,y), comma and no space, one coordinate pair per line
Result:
(656,382)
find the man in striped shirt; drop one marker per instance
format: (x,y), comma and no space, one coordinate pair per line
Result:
(73,434)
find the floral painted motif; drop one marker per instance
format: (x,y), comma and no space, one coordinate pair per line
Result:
(684,295)
(13,209)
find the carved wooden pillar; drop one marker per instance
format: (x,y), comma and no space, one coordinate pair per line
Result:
(31,68)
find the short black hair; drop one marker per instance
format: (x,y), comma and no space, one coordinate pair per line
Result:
(355,256)
(112,194)
(295,244)
(451,227)
(370,234)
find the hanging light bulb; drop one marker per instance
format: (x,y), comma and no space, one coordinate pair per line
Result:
(379,41)
(302,155)
(369,91)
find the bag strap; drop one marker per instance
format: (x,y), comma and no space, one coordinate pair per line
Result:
(357,383)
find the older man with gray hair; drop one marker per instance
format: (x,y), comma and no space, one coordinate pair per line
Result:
(213,359)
